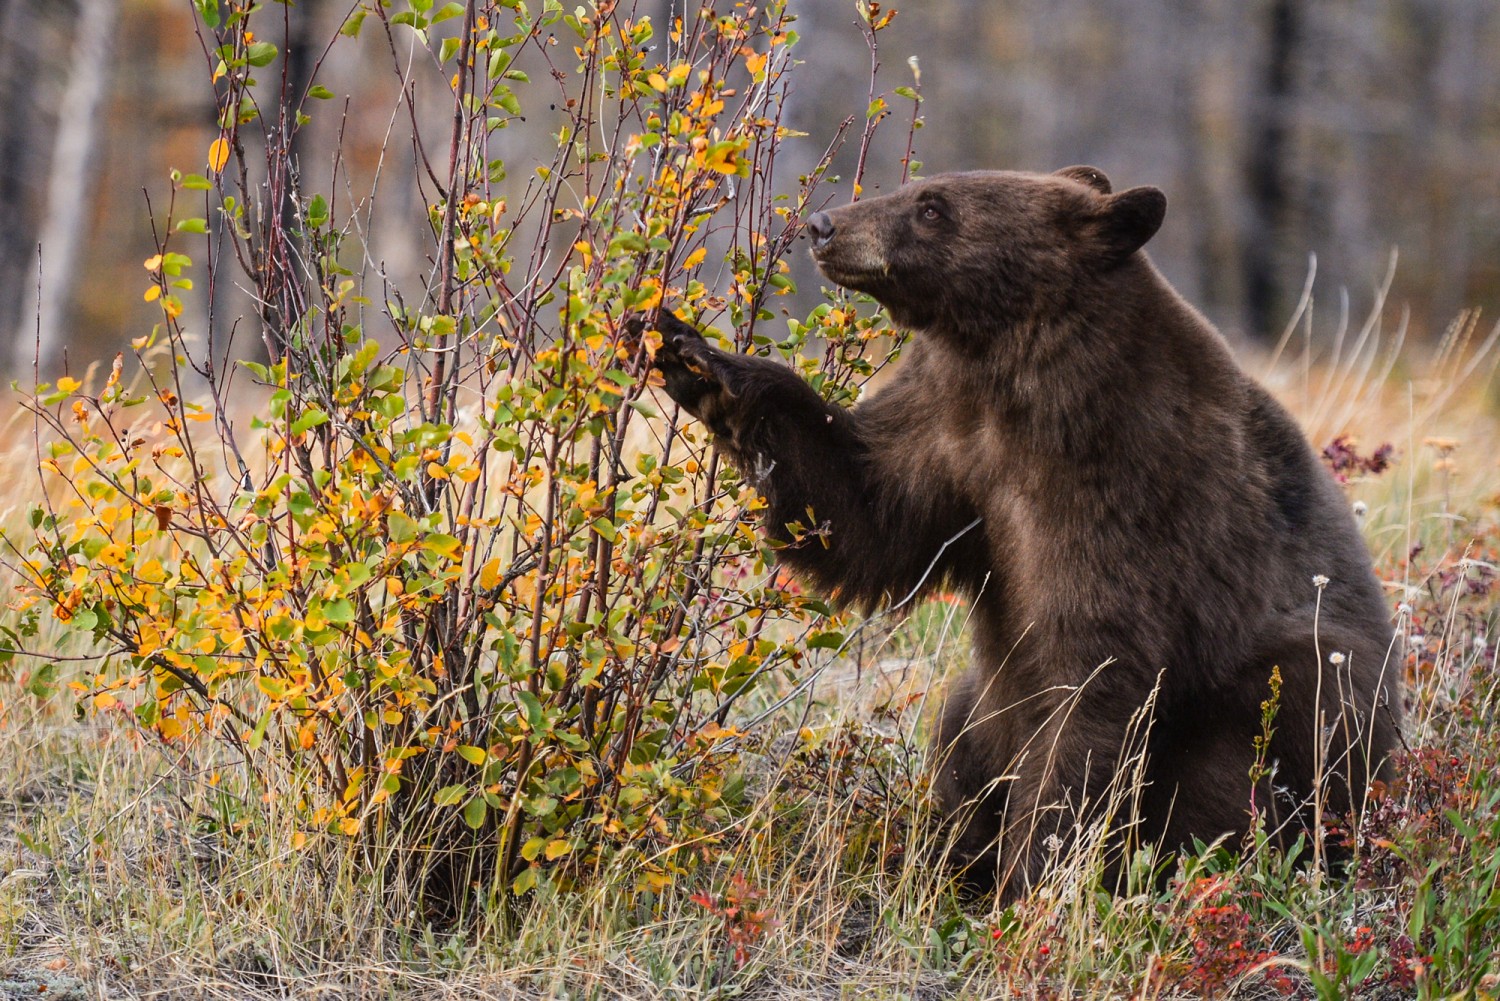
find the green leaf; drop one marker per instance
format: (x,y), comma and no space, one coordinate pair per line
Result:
(261,53)
(474,811)
(444,545)
(311,419)
(209,11)
(533,709)
(261,372)
(195,225)
(351,27)
(450,795)
(473,755)
(400,527)
(34,844)
(524,883)
(317,211)
(448,10)
(259,733)
(320,92)
(43,682)
(450,46)
(826,641)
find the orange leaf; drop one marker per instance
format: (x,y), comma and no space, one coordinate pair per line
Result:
(218,155)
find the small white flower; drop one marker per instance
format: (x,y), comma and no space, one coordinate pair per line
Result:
(1418,641)
(1336,658)
(1320,581)
(1360,510)
(1480,641)
(1403,609)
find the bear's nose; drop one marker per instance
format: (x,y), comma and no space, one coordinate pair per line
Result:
(821,228)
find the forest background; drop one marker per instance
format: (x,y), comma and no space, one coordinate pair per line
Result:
(1346,129)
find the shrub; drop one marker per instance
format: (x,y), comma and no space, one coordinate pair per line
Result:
(463,595)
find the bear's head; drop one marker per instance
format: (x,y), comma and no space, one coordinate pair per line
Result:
(962,254)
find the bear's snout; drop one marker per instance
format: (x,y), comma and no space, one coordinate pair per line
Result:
(820,225)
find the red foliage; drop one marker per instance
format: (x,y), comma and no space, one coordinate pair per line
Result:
(1224,947)
(1343,458)
(744,923)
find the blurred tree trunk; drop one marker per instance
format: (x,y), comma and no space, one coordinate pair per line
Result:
(27,32)
(68,183)
(1268,149)
(280,249)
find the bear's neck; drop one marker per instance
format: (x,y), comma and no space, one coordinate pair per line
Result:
(1080,376)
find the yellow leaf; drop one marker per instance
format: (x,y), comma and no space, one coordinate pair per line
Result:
(104,700)
(557,849)
(68,385)
(218,155)
(298,840)
(652,299)
(489,576)
(658,82)
(153,293)
(349,825)
(273,687)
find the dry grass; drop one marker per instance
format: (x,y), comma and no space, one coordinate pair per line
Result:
(125,874)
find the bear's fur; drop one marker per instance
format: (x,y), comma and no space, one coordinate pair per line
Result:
(1142,529)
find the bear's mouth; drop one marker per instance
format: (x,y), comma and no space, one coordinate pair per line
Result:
(863,273)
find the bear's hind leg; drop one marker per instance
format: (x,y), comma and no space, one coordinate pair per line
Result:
(969,786)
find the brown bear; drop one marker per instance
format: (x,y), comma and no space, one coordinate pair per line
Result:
(1144,532)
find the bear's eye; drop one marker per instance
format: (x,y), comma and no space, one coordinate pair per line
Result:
(931,214)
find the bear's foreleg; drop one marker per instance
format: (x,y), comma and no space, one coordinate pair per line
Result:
(838,515)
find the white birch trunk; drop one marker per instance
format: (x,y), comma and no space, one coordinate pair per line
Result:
(43,334)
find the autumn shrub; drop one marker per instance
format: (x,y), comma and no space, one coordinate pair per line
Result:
(461,593)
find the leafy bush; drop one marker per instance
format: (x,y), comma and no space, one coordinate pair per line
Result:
(463,595)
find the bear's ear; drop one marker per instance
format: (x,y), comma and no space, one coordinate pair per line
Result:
(1127,220)
(1092,176)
